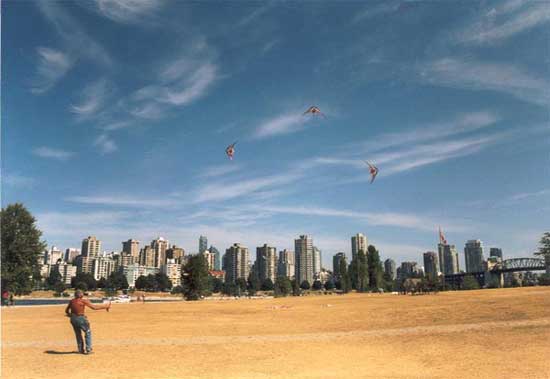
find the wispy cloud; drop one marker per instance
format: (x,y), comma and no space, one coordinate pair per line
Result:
(216,171)
(128,11)
(375,10)
(255,14)
(52,66)
(77,41)
(489,28)
(287,123)
(105,144)
(52,153)
(93,97)
(224,191)
(526,195)
(483,76)
(124,201)
(18,181)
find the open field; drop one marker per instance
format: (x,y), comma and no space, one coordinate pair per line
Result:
(502,333)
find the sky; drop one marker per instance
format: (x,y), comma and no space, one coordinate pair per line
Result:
(116,115)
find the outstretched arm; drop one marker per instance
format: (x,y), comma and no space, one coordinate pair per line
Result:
(95,307)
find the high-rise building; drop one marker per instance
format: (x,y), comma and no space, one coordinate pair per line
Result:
(102,267)
(172,270)
(176,253)
(266,263)
(407,270)
(147,257)
(54,255)
(210,259)
(316,260)
(66,271)
(159,245)
(236,263)
(448,259)
(431,264)
(303,249)
(203,244)
(495,252)
(358,242)
(134,271)
(473,254)
(70,254)
(91,247)
(338,260)
(131,247)
(217,258)
(286,264)
(390,269)
(84,264)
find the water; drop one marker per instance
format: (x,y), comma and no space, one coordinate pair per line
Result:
(63,301)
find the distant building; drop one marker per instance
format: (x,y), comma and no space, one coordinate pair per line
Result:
(210,259)
(323,276)
(66,271)
(54,255)
(91,247)
(236,263)
(337,260)
(217,258)
(303,249)
(131,247)
(44,270)
(266,263)
(317,260)
(125,259)
(495,252)
(159,245)
(473,254)
(147,257)
(358,242)
(220,274)
(407,270)
(390,269)
(285,265)
(102,267)
(176,253)
(172,270)
(431,264)
(448,258)
(134,271)
(203,244)
(70,254)
(83,264)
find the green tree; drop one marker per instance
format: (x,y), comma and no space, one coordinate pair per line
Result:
(344,283)
(80,286)
(544,280)
(317,285)
(362,272)
(102,283)
(544,245)
(163,283)
(230,289)
(91,283)
(177,290)
(118,280)
(241,286)
(141,283)
(305,285)
(283,286)
(21,248)
(54,278)
(470,283)
(217,285)
(352,274)
(374,268)
(196,278)
(253,283)
(329,285)
(296,290)
(267,285)
(59,287)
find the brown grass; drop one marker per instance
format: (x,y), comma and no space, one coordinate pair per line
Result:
(476,334)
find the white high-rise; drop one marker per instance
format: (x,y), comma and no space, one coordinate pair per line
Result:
(303,250)
(266,262)
(91,247)
(316,261)
(358,242)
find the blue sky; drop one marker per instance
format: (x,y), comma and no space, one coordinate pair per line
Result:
(116,116)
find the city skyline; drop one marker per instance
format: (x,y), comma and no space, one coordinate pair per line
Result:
(456,122)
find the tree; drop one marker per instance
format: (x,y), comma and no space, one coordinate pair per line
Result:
(217,285)
(305,285)
(162,282)
(91,283)
(253,283)
(80,286)
(21,248)
(141,283)
(177,290)
(470,283)
(296,290)
(352,274)
(544,245)
(54,278)
(267,285)
(544,280)
(196,278)
(317,285)
(118,280)
(241,286)
(374,268)
(362,272)
(59,287)
(230,289)
(329,285)
(101,283)
(283,286)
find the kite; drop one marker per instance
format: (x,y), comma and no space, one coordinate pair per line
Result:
(442,239)
(373,171)
(230,151)
(313,110)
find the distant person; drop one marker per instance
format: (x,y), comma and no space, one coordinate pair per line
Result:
(5,297)
(12,302)
(75,310)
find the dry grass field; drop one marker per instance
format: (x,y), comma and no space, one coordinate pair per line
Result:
(476,334)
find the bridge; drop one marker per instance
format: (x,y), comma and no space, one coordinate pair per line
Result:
(498,270)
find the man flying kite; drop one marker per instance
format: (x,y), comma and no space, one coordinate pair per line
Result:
(373,171)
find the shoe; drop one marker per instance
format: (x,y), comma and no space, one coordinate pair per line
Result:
(89,352)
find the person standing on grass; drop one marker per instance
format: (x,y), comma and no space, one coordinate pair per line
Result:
(75,310)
